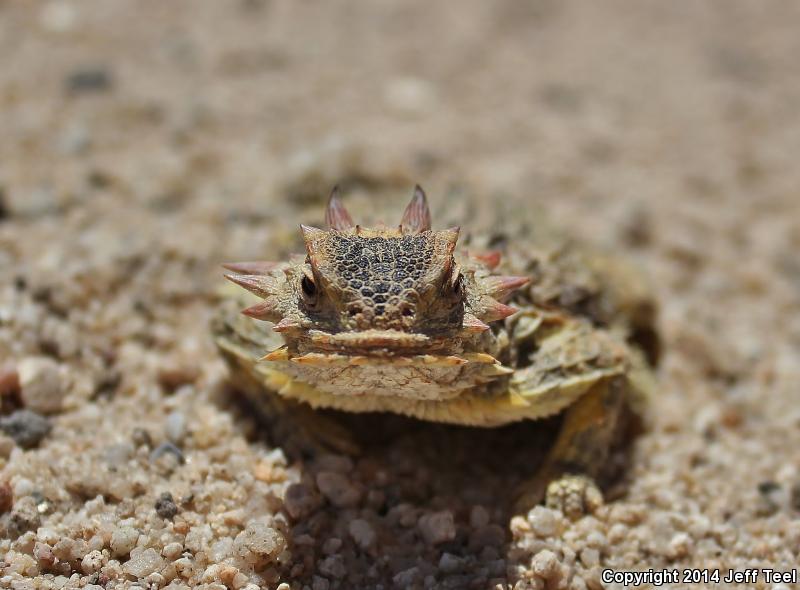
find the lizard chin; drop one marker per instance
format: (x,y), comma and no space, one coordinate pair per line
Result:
(385,363)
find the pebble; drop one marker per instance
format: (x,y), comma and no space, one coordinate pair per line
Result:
(320,583)
(123,540)
(338,489)
(43,553)
(590,557)
(25,427)
(9,376)
(437,527)
(545,564)
(544,522)
(172,550)
(333,566)
(141,438)
(92,562)
(143,563)
(184,567)
(769,499)
(165,506)
(478,517)
(89,79)
(406,578)
(331,545)
(258,542)
(680,546)
(175,427)
(41,386)
(362,532)
(300,501)
(6,446)
(174,376)
(6,497)
(449,563)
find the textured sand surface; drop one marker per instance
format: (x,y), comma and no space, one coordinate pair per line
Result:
(145,142)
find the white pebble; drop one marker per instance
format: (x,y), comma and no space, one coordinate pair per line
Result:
(680,545)
(175,427)
(143,564)
(123,540)
(172,550)
(40,383)
(544,522)
(92,562)
(590,557)
(258,542)
(545,564)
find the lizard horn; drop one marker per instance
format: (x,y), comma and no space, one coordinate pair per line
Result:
(336,216)
(417,216)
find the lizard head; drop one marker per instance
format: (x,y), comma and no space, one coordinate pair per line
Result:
(365,295)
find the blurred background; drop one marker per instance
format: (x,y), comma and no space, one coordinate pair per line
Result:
(142,143)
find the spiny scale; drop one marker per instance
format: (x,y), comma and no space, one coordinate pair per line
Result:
(495,311)
(251,268)
(264,310)
(502,287)
(256,284)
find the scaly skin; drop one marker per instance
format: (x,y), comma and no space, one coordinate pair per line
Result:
(398,320)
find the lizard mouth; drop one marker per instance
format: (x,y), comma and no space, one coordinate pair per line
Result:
(375,347)
(376,342)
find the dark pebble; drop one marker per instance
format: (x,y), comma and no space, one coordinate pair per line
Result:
(26,428)
(93,79)
(165,506)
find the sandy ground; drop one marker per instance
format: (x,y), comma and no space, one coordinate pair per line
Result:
(145,142)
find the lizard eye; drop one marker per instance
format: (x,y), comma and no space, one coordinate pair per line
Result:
(308,287)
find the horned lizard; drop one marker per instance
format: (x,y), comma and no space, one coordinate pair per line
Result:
(397,319)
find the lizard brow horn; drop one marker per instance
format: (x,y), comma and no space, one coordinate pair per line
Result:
(416,217)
